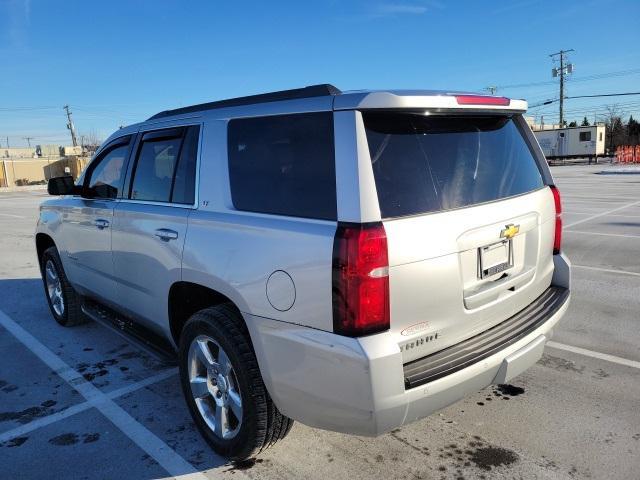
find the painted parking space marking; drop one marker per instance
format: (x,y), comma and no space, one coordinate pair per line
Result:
(568,212)
(607,270)
(590,353)
(583,232)
(81,407)
(164,455)
(593,217)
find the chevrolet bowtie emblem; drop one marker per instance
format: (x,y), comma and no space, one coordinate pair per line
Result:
(509,231)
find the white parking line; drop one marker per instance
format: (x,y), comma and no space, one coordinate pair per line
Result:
(164,455)
(593,217)
(570,212)
(602,234)
(608,270)
(10,215)
(81,407)
(591,353)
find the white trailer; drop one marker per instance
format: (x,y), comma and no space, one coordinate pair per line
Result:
(572,142)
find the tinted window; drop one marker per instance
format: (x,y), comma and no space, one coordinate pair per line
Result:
(154,170)
(108,174)
(185,181)
(585,136)
(283,165)
(430,163)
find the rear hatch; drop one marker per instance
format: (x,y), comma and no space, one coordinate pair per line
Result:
(469,223)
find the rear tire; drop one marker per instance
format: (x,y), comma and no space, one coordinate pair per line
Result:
(64,302)
(211,339)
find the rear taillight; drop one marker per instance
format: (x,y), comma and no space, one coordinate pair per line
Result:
(557,241)
(360,279)
(482,100)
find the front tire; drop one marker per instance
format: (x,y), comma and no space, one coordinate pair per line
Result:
(223,387)
(63,300)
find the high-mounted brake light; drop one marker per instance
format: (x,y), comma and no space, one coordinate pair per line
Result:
(360,279)
(557,240)
(482,100)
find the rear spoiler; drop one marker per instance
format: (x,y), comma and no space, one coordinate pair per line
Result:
(408,100)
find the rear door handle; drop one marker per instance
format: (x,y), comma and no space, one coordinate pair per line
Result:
(101,223)
(165,234)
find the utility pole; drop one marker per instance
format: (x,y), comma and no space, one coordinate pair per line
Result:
(71,127)
(28,139)
(562,71)
(492,89)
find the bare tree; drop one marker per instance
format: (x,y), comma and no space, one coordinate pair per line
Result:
(90,140)
(615,131)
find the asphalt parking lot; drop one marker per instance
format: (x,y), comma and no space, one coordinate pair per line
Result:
(83,403)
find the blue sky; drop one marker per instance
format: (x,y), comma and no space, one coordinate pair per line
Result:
(118,62)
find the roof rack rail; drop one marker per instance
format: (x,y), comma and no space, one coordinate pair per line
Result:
(306,92)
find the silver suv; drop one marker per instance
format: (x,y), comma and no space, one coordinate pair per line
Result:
(354,261)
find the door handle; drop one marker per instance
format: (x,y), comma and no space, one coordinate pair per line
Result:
(101,223)
(165,234)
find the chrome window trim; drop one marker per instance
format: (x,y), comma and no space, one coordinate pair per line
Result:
(162,204)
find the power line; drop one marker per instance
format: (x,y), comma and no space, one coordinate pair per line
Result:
(25,109)
(600,76)
(626,106)
(550,101)
(596,112)
(606,95)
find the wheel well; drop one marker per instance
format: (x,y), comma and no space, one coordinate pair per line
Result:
(185,299)
(43,241)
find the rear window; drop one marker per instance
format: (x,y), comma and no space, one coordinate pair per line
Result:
(283,165)
(427,164)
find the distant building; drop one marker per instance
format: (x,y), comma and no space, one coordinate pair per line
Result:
(20,152)
(48,150)
(570,142)
(35,165)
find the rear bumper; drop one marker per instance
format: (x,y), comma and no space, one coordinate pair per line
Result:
(475,349)
(360,386)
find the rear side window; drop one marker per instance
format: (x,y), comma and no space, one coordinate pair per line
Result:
(165,166)
(283,165)
(427,164)
(154,170)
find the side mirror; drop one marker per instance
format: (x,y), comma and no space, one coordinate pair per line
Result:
(61,186)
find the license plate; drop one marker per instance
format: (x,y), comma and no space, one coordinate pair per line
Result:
(495,258)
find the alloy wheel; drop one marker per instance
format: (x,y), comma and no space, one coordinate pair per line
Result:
(54,288)
(214,387)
